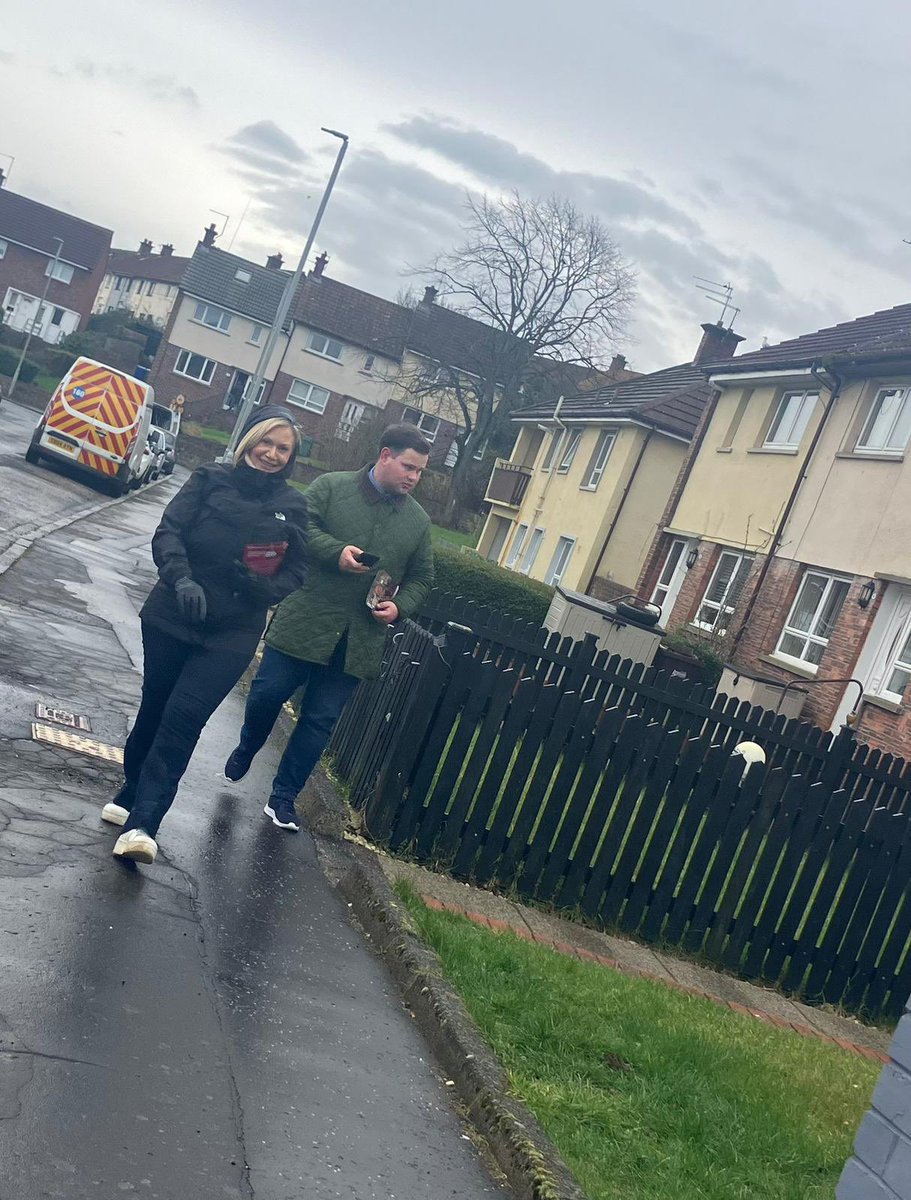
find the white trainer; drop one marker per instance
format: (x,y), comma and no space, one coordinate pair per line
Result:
(136,844)
(114,814)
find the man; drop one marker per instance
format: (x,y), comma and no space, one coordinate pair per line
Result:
(323,636)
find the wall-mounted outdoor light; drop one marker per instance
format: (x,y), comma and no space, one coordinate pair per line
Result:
(692,558)
(867,592)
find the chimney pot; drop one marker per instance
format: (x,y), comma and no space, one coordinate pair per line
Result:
(320,265)
(430,294)
(167,250)
(274,262)
(145,246)
(209,235)
(717,343)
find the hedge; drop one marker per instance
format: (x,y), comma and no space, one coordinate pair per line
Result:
(8,360)
(484,582)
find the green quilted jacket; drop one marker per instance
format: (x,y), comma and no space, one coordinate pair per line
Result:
(345,509)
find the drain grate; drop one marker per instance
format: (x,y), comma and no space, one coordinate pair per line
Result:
(75,741)
(62,716)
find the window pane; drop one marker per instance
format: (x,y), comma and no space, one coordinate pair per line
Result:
(902,429)
(814,652)
(898,680)
(886,419)
(793,645)
(838,589)
(670,563)
(722,578)
(808,599)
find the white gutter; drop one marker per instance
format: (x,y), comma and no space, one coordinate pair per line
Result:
(750,376)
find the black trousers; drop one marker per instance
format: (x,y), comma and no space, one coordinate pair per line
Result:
(182,685)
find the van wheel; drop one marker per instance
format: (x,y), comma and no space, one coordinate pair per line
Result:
(31,455)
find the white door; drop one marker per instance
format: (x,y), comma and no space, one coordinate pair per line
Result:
(670,581)
(884,643)
(349,420)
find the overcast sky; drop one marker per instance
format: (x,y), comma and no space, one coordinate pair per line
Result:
(762,145)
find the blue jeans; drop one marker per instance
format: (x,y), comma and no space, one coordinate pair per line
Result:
(278,678)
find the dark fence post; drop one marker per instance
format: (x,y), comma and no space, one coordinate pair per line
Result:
(416,718)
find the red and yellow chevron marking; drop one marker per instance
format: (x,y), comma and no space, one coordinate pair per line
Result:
(111,407)
(95,462)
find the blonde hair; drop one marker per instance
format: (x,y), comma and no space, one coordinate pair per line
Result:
(258,432)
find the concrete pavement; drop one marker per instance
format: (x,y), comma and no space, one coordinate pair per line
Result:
(211,1026)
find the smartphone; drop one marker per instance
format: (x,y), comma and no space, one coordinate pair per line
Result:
(367,560)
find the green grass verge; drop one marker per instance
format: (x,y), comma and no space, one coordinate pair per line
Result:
(648,1092)
(439,534)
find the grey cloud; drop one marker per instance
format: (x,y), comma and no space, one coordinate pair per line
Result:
(159,87)
(267,139)
(494,160)
(846,221)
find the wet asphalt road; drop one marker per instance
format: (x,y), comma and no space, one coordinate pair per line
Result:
(208,1027)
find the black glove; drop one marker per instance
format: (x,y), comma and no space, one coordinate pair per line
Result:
(191,600)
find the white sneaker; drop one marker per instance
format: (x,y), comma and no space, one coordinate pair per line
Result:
(114,814)
(136,844)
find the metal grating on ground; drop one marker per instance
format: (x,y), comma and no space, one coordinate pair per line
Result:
(75,741)
(62,716)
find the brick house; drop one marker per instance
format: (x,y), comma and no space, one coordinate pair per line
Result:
(346,355)
(584,489)
(44,248)
(785,538)
(142,282)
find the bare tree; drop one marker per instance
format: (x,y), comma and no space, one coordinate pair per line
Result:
(553,289)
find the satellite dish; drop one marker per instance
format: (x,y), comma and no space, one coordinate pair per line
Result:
(750,752)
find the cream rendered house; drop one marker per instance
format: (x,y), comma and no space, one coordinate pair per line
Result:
(142,282)
(588,480)
(789,542)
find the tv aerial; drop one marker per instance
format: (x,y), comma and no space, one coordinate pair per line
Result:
(721,293)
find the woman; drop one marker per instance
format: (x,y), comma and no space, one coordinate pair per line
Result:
(230,545)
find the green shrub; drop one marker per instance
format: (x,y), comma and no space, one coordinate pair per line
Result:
(689,641)
(506,592)
(8,360)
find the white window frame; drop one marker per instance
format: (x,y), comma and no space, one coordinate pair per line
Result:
(304,396)
(351,416)
(256,335)
(427,423)
(787,429)
(60,271)
(810,637)
(569,454)
(873,415)
(323,351)
(670,574)
(722,607)
(531,552)
(246,392)
(560,560)
(208,366)
(369,363)
(599,459)
(211,316)
(515,549)
(4,245)
(242,275)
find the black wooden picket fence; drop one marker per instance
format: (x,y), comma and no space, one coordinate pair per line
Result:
(525,761)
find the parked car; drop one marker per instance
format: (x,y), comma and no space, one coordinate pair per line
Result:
(166,446)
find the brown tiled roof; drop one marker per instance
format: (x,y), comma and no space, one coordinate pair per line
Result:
(352,315)
(211,274)
(158,268)
(671,400)
(35,225)
(881,334)
(388,328)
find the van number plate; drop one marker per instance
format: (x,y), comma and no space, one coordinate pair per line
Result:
(60,444)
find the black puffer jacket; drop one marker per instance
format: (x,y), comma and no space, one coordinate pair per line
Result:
(218,512)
